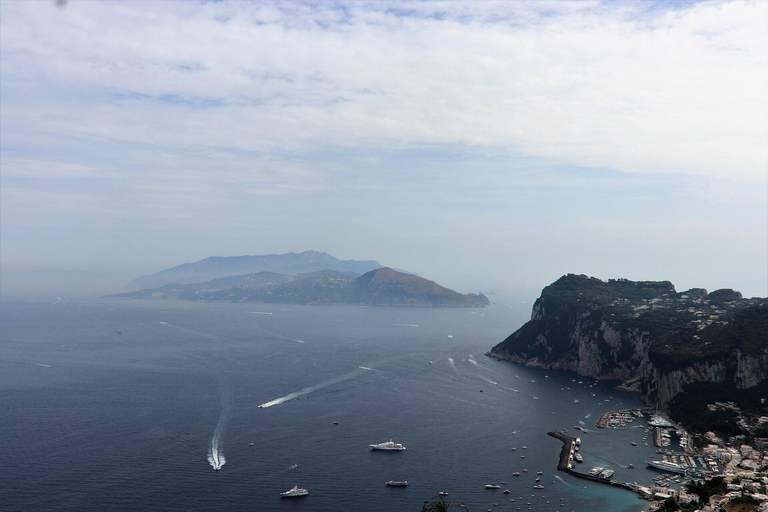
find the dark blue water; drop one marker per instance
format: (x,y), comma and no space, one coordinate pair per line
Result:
(114,405)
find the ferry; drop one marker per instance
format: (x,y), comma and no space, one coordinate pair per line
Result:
(393,483)
(294,493)
(388,446)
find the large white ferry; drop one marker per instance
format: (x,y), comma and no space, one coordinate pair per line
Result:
(294,493)
(389,446)
(665,465)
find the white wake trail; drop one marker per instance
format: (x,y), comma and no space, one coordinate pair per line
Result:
(312,389)
(215,457)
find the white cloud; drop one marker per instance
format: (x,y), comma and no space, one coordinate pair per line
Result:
(608,85)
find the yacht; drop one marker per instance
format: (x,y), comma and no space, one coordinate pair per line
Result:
(538,486)
(388,446)
(294,493)
(606,473)
(578,458)
(492,486)
(393,483)
(667,466)
(594,471)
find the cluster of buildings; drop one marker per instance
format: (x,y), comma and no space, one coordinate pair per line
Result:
(744,469)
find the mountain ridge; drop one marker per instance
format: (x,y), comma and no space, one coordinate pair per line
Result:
(378,287)
(224,266)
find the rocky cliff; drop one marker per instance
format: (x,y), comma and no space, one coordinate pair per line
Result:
(654,339)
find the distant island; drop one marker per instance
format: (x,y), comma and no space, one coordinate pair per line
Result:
(379,287)
(682,351)
(225,266)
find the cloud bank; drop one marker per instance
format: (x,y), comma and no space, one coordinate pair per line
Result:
(634,87)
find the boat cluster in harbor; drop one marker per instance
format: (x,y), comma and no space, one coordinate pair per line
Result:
(619,419)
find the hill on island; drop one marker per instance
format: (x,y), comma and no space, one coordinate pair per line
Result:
(665,344)
(216,266)
(380,287)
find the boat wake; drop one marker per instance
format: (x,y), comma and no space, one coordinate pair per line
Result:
(566,483)
(215,457)
(304,392)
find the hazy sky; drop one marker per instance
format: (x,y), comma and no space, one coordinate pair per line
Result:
(479,144)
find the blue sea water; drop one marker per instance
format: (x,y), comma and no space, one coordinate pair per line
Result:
(129,405)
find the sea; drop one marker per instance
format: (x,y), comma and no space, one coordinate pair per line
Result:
(114,405)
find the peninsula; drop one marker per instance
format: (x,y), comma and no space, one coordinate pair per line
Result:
(701,357)
(379,287)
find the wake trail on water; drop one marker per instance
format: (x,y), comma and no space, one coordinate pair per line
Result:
(567,483)
(215,456)
(304,392)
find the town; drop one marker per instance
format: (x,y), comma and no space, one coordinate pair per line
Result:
(702,473)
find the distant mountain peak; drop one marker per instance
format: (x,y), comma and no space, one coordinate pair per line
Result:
(224,266)
(378,287)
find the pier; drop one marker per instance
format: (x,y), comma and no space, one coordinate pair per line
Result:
(566,462)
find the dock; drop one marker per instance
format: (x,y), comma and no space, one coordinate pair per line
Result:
(565,464)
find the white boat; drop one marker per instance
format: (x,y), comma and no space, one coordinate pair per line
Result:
(492,486)
(667,466)
(606,473)
(388,446)
(594,471)
(294,493)
(393,483)
(578,458)
(538,486)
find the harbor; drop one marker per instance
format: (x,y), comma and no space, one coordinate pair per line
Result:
(565,464)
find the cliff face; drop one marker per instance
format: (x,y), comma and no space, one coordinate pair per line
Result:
(645,334)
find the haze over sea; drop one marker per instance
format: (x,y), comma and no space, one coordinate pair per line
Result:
(127,405)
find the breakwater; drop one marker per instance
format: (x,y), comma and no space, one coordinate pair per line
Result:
(565,464)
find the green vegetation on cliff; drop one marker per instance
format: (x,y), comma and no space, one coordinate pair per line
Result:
(678,327)
(680,350)
(682,344)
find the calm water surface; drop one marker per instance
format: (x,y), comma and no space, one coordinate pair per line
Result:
(128,405)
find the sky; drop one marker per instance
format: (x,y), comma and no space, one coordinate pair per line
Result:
(484,145)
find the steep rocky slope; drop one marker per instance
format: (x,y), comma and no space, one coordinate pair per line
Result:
(654,339)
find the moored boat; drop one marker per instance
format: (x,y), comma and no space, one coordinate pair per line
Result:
(393,483)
